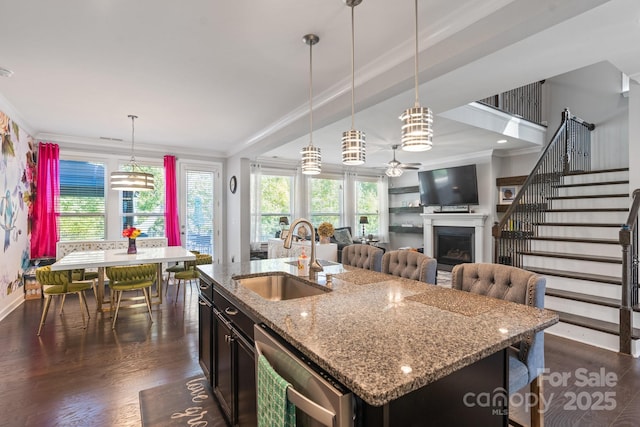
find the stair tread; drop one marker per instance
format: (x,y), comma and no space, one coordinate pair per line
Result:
(589,210)
(576,224)
(578,296)
(577,240)
(595,324)
(587,184)
(580,276)
(597,171)
(593,258)
(590,196)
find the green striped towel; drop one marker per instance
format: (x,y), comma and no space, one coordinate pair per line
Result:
(274,409)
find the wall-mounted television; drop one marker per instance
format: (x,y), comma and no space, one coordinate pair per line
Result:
(453,186)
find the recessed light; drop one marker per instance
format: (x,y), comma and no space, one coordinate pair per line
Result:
(5,73)
(502,141)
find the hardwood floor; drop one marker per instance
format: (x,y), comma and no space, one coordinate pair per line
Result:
(75,377)
(70,376)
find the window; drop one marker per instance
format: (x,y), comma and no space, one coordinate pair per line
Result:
(145,209)
(275,202)
(82,200)
(200,210)
(326,202)
(367,203)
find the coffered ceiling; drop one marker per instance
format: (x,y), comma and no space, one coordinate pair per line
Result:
(219,79)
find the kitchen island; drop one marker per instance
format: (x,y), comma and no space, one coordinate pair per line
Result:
(389,339)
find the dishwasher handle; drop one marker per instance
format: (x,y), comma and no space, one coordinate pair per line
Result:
(306,405)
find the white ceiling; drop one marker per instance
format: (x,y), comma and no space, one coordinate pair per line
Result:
(219,79)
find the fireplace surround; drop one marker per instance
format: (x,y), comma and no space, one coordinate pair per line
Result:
(474,221)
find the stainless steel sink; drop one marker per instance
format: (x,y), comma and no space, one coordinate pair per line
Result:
(280,286)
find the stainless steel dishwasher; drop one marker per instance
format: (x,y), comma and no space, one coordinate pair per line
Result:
(319,400)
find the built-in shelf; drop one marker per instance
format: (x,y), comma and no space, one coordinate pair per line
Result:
(404,190)
(511,180)
(401,229)
(406,209)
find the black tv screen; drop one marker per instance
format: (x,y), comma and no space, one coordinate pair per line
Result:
(449,186)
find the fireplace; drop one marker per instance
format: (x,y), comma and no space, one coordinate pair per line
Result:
(468,221)
(453,245)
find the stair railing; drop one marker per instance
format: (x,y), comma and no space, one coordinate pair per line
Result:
(524,101)
(569,150)
(628,237)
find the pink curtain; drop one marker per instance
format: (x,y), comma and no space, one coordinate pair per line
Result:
(172,221)
(45,211)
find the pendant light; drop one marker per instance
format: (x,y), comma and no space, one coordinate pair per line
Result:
(311,157)
(132,180)
(417,122)
(353,141)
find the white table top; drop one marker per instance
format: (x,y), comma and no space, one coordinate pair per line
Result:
(112,257)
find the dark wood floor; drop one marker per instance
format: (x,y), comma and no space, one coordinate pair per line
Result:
(75,377)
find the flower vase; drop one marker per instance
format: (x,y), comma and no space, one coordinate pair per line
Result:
(324,240)
(132,247)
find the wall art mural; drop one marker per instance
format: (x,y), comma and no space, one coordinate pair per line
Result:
(17,189)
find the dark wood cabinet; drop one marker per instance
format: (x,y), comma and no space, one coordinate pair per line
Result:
(234,382)
(223,369)
(205,333)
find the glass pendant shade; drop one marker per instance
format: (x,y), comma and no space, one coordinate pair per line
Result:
(353,147)
(353,141)
(132,179)
(393,172)
(417,129)
(311,160)
(417,122)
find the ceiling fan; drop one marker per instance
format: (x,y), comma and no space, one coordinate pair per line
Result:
(396,168)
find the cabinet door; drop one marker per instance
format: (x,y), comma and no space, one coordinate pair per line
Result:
(223,370)
(205,337)
(245,390)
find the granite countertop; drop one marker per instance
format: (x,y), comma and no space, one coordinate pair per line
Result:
(380,335)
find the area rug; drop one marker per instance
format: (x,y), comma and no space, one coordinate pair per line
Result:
(444,278)
(183,403)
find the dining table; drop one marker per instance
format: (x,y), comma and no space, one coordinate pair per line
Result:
(101,259)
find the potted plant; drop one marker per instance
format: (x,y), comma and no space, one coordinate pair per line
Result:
(325,231)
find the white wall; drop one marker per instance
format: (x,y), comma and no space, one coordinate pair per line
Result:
(238,211)
(634,135)
(593,93)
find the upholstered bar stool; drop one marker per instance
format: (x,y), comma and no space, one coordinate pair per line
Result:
(411,265)
(130,278)
(526,359)
(57,283)
(363,256)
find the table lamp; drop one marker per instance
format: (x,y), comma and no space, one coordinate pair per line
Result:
(363,220)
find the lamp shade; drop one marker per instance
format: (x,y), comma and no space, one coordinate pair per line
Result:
(364,220)
(132,181)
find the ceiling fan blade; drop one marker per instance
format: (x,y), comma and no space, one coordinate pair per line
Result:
(411,164)
(408,167)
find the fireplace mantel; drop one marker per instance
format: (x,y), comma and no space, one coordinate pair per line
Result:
(475,220)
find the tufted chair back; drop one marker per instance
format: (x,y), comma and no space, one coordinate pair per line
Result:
(57,283)
(511,284)
(363,256)
(130,276)
(46,277)
(411,265)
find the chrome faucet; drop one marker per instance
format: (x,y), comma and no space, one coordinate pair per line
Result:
(314,265)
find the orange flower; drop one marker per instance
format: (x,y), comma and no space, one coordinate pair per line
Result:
(131,232)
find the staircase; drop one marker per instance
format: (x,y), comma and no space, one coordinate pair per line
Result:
(577,249)
(564,224)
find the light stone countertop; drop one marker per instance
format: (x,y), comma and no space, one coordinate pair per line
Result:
(371,326)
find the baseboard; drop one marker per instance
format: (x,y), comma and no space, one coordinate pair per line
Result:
(11,306)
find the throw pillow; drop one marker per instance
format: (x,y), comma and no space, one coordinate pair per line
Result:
(343,237)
